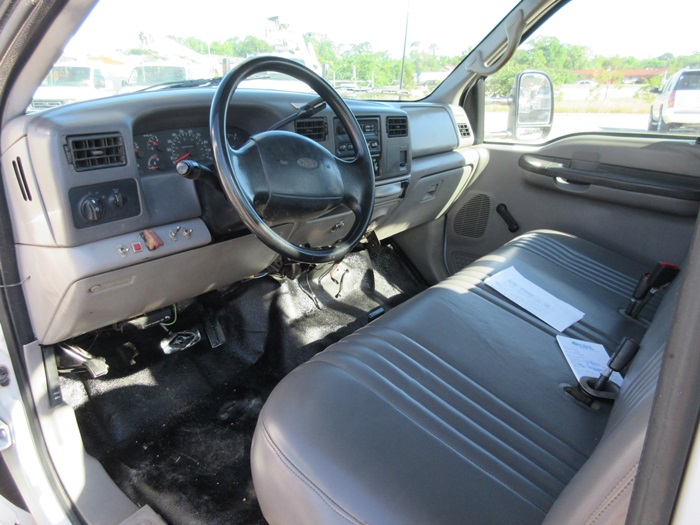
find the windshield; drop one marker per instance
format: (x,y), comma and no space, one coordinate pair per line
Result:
(150,75)
(68,76)
(376,50)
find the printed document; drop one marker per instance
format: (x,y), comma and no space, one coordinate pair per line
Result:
(526,294)
(586,359)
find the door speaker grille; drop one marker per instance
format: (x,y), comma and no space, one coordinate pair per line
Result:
(473,216)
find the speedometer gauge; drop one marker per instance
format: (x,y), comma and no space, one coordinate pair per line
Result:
(189,144)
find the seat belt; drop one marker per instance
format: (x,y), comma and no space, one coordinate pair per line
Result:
(649,284)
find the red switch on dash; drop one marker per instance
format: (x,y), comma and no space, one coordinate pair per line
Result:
(153,242)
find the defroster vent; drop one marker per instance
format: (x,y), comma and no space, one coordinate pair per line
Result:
(314,128)
(396,127)
(92,152)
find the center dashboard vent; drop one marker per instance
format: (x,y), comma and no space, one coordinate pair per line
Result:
(314,128)
(396,127)
(92,152)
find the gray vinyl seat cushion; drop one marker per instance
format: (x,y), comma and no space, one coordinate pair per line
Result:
(593,279)
(451,408)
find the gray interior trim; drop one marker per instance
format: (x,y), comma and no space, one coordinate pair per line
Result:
(646,200)
(635,180)
(491,47)
(676,409)
(92,491)
(662,235)
(432,129)
(74,295)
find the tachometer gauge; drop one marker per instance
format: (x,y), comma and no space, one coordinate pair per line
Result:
(189,144)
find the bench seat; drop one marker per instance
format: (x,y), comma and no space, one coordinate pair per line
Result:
(451,408)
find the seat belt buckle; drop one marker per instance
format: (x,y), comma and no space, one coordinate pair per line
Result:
(602,387)
(649,284)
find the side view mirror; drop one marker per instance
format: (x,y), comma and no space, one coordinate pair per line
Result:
(655,91)
(531,114)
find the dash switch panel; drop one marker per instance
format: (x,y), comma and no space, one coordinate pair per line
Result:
(104,202)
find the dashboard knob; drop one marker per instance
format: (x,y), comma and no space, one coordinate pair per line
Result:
(92,209)
(116,199)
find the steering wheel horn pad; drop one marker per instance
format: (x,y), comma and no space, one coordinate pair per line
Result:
(303,180)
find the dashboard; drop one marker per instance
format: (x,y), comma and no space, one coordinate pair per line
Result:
(106,229)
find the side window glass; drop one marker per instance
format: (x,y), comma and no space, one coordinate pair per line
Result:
(605,78)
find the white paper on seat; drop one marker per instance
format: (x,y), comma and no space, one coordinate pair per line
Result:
(585,358)
(526,294)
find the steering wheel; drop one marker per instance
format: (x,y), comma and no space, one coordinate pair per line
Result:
(280,177)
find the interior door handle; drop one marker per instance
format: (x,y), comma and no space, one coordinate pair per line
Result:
(570,185)
(634,180)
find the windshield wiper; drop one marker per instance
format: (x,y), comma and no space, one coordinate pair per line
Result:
(198,82)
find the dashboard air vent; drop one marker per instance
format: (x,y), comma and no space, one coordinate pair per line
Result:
(464,130)
(396,127)
(91,152)
(314,128)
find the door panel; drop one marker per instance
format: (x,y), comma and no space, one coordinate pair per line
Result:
(638,196)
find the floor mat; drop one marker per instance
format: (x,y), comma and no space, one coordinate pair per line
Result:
(174,431)
(199,470)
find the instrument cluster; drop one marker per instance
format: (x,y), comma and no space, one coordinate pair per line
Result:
(162,150)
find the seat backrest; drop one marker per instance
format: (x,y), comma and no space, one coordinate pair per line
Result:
(601,490)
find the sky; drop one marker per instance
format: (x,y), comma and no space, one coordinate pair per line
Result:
(640,28)
(607,27)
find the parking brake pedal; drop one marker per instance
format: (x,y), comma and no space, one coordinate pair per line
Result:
(72,358)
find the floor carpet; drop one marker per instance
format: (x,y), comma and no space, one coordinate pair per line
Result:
(174,431)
